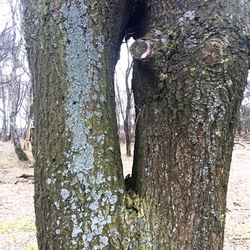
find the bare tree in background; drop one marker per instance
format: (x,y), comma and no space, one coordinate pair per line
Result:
(5,39)
(125,102)
(128,116)
(244,121)
(119,105)
(14,82)
(17,88)
(29,122)
(5,47)
(3,110)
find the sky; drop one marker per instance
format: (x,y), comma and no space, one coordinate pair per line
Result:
(122,64)
(4,13)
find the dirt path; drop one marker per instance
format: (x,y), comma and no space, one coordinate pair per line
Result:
(237,233)
(17,229)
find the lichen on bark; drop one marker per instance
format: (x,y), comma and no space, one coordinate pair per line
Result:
(187,99)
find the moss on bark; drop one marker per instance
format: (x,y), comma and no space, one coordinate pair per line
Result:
(187,98)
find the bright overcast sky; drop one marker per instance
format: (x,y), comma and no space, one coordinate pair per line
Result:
(4,13)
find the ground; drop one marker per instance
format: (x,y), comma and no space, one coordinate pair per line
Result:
(237,232)
(17,227)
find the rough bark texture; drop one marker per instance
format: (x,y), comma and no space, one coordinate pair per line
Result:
(73,47)
(187,95)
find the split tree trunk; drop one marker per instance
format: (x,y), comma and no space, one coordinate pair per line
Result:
(187,88)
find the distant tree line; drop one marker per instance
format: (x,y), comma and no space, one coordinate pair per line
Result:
(15,85)
(244,122)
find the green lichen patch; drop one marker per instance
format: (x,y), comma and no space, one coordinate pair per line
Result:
(89,189)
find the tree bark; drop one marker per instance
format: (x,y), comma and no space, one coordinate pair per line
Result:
(187,87)
(73,47)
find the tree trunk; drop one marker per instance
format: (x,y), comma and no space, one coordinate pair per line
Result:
(4,136)
(188,84)
(28,133)
(127,131)
(127,125)
(15,138)
(119,108)
(14,88)
(78,171)
(13,96)
(128,117)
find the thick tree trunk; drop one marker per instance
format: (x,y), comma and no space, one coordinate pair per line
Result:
(73,48)
(188,86)
(188,82)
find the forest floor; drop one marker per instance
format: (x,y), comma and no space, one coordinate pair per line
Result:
(17,227)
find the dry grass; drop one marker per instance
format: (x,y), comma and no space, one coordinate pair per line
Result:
(17,231)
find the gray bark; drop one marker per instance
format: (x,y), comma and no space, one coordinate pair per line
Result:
(78,171)
(189,78)
(187,91)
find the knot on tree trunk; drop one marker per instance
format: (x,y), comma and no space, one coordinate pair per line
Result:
(142,49)
(213,51)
